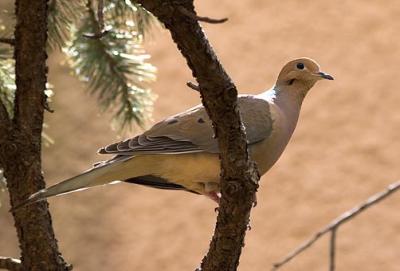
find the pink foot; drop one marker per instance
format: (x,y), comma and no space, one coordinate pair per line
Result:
(214,196)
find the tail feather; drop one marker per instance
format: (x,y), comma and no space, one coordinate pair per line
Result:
(93,177)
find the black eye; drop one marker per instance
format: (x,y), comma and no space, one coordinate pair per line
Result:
(300,66)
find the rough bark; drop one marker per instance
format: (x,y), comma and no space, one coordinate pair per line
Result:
(239,180)
(4,123)
(20,143)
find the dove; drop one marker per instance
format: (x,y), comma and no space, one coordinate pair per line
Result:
(181,152)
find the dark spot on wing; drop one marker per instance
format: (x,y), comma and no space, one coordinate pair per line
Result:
(172,121)
(200,120)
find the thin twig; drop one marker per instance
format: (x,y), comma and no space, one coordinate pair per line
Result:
(332,250)
(8,41)
(192,15)
(338,221)
(96,36)
(193,86)
(100,31)
(10,264)
(47,107)
(100,14)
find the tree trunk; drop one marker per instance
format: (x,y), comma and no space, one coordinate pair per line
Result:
(20,144)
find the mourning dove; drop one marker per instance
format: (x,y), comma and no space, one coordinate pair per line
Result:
(181,153)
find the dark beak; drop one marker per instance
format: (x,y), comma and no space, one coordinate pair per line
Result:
(325,76)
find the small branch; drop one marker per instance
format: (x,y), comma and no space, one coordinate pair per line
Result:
(47,107)
(192,15)
(100,32)
(332,250)
(193,86)
(335,224)
(100,14)
(8,41)
(96,36)
(10,264)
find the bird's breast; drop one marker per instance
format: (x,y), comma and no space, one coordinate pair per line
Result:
(268,151)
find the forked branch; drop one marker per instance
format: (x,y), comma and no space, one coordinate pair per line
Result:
(335,224)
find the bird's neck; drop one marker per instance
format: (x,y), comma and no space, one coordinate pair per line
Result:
(289,100)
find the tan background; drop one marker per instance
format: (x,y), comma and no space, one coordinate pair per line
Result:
(346,146)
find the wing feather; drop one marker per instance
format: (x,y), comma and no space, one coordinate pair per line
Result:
(192,131)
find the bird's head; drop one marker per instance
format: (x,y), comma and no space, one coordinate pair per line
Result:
(301,73)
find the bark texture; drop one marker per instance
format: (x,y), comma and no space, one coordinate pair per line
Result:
(20,140)
(239,180)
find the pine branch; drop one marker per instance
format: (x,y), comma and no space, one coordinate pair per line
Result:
(114,66)
(128,14)
(63,15)
(98,22)
(10,264)
(335,224)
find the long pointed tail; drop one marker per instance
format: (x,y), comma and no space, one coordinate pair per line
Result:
(99,175)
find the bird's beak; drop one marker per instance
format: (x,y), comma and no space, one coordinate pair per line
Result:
(324,75)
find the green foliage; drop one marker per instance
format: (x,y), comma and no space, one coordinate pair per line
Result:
(7,82)
(130,17)
(7,76)
(63,14)
(114,65)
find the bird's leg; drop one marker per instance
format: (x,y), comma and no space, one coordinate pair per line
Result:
(210,189)
(214,196)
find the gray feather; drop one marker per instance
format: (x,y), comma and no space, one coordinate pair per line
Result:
(192,131)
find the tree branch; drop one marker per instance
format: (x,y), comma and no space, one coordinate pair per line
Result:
(239,178)
(335,224)
(332,250)
(10,264)
(20,152)
(193,86)
(100,31)
(200,18)
(8,41)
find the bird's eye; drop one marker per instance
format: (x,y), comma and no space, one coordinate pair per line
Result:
(300,66)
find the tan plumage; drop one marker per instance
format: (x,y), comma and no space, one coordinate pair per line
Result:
(180,152)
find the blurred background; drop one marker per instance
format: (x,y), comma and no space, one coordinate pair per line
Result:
(346,146)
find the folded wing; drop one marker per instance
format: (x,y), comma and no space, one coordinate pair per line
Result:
(192,131)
